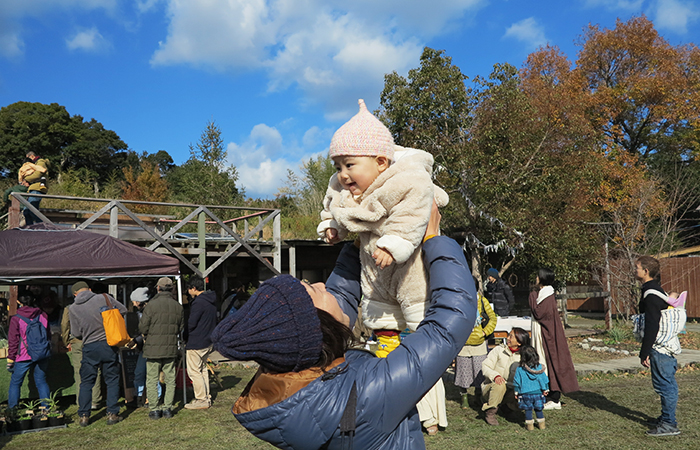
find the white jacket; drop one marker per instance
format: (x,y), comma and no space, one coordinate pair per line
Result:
(392,214)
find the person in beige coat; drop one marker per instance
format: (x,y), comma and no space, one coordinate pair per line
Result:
(384,193)
(499,370)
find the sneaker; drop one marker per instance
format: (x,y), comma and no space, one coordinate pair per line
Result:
(113,418)
(155,415)
(664,429)
(167,413)
(552,405)
(198,404)
(84,421)
(654,422)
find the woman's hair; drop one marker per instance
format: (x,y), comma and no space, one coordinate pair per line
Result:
(26,298)
(337,339)
(546,276)
(529,357)
(522,336)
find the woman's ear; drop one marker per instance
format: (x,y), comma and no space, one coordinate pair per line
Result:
(383,163)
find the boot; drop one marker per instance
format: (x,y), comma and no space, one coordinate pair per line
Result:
(465,401)
(530,425)
(491,416)
(540,424)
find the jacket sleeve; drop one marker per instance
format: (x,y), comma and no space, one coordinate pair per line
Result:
(401,379)
(327,220)
(65,327)
(344,282)
(48,327)
(195,315)
(542,311)
(493,319)
(517,381)
(75,325)
(13,338)
(488,367)
(407,219)
(652,316)
(509,295)
(145,321)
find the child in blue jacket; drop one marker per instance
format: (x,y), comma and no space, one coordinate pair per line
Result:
(531,385)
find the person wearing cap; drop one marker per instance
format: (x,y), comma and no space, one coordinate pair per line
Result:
(75,347)
(86,324)
(138,297)
(311,390)
(499,293)
(161,324)
(200,324)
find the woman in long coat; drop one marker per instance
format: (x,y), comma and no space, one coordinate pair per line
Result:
(549,340)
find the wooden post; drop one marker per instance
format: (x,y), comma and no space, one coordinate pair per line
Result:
(201,235)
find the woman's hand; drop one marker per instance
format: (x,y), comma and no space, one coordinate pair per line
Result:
(434,222)
(499,380)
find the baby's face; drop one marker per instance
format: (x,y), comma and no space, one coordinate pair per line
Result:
(357,173)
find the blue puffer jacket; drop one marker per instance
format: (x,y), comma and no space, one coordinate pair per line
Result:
(387,389)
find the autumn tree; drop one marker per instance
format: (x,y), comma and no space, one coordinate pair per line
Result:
(646,96)
(145,185)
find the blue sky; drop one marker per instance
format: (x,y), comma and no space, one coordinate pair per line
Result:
(278,77)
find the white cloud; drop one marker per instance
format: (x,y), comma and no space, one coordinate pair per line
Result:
(263,159)
(675,15)
(87,40)
(334,51)
(528,31)
(12,12)
(11,45)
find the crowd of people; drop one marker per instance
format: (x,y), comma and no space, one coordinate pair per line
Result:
(409,286)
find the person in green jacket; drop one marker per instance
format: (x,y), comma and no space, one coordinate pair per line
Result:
(161,324)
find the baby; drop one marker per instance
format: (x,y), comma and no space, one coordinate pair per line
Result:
(384,193)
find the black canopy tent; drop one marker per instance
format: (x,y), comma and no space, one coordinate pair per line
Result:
(47,253)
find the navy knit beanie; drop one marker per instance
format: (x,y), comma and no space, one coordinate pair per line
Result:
(493,273)
(278,328)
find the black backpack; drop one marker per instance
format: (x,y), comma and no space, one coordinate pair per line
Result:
(37,344)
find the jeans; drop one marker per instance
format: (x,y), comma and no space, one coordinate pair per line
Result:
(96,354)
(663,378)
(29,217)
(21,369)
(76,355)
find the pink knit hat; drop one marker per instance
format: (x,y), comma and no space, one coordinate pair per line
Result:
(363,135)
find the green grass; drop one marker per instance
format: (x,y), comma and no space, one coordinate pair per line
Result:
(608,413)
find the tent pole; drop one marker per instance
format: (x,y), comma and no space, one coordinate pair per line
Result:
(184,354)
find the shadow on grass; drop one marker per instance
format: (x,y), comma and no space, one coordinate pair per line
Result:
(230,381)
(594,400)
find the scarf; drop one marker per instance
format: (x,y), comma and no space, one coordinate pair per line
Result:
(545,292)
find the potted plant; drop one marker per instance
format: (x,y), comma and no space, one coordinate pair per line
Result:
(37,415)
(55,415)
(23,417)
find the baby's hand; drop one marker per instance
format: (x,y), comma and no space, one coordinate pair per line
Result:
(332,235)
(673,295)
(382,258)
